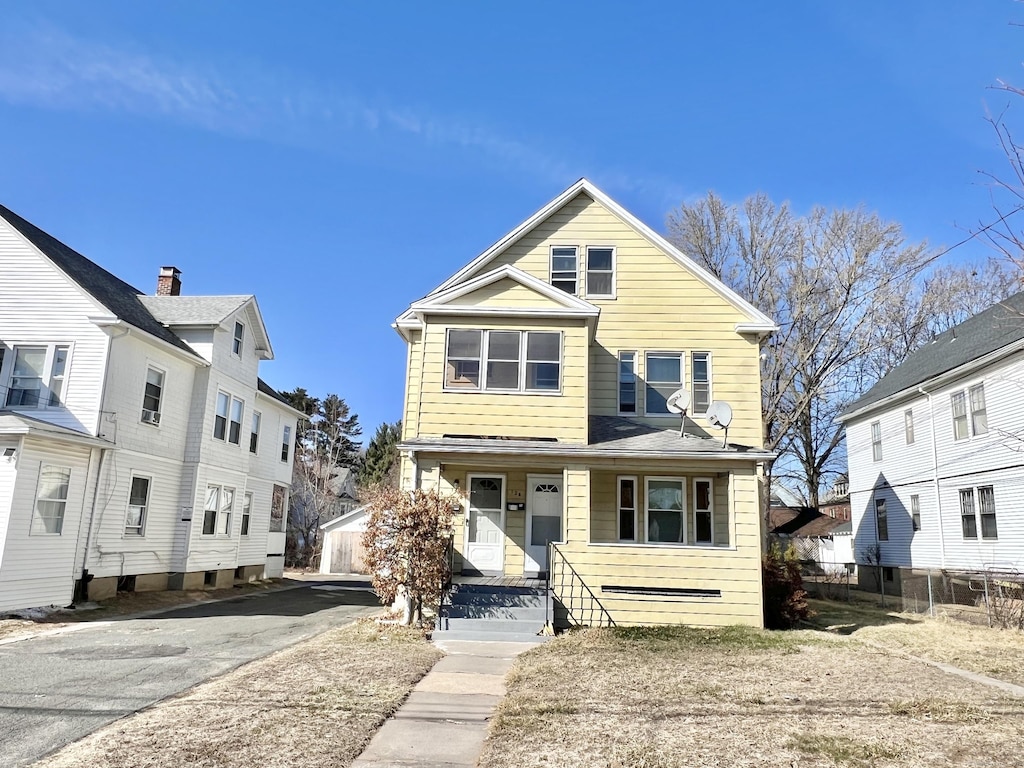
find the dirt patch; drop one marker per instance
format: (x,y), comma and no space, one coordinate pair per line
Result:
(683,697)
(315,704)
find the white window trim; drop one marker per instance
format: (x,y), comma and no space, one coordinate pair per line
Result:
(145,510)
(618,508)
(523,341)
(227,416)
(257,417)
(969,412)
(217,516)
(236,340)
(284,508)
(247,502)
(693,383)
(876,443)
(287,439)
(36,527)
(711,509)
(240,422)
(682,379)
(976,502)
(163,386)
(682,513)
(551,260)
(909,433)
(618,383)
(7,371)
(586,271)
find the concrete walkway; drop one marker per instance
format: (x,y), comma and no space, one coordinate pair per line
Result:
(443,723)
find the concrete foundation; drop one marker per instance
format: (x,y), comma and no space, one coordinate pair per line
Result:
(151,582)
(248,573)
(102,588)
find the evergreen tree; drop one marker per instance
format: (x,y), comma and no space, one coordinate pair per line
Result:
(380,465)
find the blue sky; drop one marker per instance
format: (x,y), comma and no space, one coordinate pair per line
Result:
(339,160)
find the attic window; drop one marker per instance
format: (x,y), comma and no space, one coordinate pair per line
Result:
(565,267)
(236,344)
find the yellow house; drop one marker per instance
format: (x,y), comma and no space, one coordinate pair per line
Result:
(540,382)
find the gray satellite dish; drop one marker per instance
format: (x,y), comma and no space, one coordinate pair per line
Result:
(719,415)
(679,402)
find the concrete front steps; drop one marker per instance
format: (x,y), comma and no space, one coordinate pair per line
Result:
(483,612)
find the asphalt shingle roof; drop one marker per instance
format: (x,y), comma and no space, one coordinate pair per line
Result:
(123,300)
(192,310)
(985,332)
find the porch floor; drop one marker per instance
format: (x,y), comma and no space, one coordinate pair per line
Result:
(500,581)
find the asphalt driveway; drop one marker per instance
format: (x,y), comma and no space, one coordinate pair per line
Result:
(55,689)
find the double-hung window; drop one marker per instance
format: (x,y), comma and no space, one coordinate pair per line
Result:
(970,416)
(37,376)
(235,424)
(985,509)
(246,514)
(138,503)
(220,418)
(908,426)
(286,442)
(236,341)
(666,504)
(503,361)
(220,501)
(700,371)
(152,395)
(881,520)
(627,509)
(664,376)
(876,440)
(277,503)
(627,382)
(958,401)
(703,511)
(915,512)
(601,272)
(51,499)
(254,431)
(565,267)
(979,416)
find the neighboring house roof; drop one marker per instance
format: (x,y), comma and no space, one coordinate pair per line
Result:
(802,521)
(346,518)
(977,337)
(12,423)
(124,301)
(272,393)
(610,437)
(193,310)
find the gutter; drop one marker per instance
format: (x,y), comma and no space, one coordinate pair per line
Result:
(935,476)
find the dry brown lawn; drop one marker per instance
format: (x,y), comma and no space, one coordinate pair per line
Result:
(654,698)
(315,704)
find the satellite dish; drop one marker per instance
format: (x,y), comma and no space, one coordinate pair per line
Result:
(679,401)
(719,415)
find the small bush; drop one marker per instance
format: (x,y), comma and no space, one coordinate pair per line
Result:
(785,600)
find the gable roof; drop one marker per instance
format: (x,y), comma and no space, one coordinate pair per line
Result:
(979,339)
(209,311)
(265,389)
(758,321)
(123,300)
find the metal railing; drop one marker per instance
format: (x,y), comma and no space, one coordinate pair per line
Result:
(565,585)
(444,603)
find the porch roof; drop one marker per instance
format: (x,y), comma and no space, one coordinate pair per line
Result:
(611,437)
(12,423)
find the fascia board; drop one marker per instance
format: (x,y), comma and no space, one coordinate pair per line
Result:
(440,300)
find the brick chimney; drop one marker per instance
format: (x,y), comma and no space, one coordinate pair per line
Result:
(169,282)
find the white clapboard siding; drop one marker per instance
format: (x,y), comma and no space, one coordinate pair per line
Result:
(8,476)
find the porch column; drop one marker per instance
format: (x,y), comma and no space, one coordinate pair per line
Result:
(577,504)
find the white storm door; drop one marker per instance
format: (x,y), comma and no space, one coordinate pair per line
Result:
(485,525)
(543,519)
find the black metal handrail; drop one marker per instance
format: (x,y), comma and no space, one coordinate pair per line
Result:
(566,585)
(446,585)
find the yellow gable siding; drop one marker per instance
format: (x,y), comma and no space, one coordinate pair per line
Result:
(505,293)
(659,306)
(561,416)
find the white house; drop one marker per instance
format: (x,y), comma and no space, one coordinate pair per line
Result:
(138,447)
(936,453)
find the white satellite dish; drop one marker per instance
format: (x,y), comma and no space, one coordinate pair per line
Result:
(679,402)
(719,415)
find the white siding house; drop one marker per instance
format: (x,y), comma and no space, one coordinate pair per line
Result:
(127,454)
(936,452)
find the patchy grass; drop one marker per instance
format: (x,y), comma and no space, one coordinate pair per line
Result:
(997,653)
(665,697)
(317,704)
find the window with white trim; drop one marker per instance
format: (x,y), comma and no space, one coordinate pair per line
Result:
(235,423)
(36,376)
(978,516)
(876,440)
(881,520)
(700,373)
(627,508)
(220,418)
(152,395)
(979,415)
(286,442)
(958,403)
(970,416)
(600,272)
(236,341)
(664,373)
(503,361)
(254,431)
(246,514)
(703,511)
(565,267)
(666,504)
(220,501)
(627,382)
(51,500)
(908,425)
(138,503)
(277,505)
(915,512)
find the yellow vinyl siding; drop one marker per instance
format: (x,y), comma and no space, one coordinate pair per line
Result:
(659,306)
(413,375)
(537,415)
(506,293)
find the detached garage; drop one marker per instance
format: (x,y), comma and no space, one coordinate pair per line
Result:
(342,550)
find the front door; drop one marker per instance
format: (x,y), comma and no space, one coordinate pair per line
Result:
(543,519)
(484,550)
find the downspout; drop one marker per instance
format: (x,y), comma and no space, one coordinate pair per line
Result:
(935,477)
(92,512)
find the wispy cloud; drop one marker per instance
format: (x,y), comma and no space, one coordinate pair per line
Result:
(43,66)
